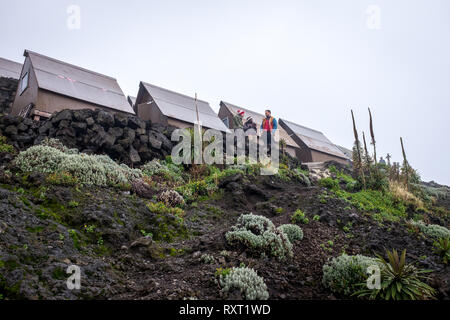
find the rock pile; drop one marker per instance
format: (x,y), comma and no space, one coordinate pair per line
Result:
(8,87)
(126,138)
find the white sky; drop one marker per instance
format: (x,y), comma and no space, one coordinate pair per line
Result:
(309,61)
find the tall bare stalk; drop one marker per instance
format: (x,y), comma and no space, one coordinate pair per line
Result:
(366,153)
(373,139)
(359,164)
(405,164)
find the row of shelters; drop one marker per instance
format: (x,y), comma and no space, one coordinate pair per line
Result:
(47,85)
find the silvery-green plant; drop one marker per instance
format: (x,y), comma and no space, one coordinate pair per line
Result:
(153,167)
(432,230)
(40,158)
(99,170)
(260,235)
(292,231)
(157,166)
(247,281)
(345,273)
(207,258)
(55,143)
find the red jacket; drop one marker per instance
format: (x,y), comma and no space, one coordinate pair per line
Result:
(269,125)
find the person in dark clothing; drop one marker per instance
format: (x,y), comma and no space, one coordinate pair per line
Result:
(249,124)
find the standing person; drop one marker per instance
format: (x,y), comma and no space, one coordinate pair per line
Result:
(238,120)
(269,124)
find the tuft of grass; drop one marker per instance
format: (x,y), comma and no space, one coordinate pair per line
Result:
(401,194)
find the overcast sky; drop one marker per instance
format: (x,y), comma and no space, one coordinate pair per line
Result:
(309,61)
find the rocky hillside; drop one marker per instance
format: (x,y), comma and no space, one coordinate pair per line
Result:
(8,87)
(165,231)
(125,138)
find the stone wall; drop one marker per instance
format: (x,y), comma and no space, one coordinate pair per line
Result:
(8,87)
(126,138)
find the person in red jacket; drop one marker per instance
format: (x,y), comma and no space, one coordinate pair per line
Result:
(269,124)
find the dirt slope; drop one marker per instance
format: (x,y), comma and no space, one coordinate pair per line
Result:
(38,242)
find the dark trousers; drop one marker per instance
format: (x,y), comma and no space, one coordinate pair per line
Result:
(269,143)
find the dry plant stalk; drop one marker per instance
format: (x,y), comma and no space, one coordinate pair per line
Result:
(405,164)
(366,152)
(355,132)
(372,134)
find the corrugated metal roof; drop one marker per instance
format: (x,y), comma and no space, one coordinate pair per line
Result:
(182,107)
(314,139)
(72,81)
(258,118)
(347,152)
(10,69)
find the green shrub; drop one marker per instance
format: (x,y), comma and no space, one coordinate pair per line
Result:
(333,169)
(146,234)
(382,206)
(352,186)
(292,231)
(345,273)
(4,147)
(247,281)
(193,190)
(299,217)
(284,173)
(278,210)
(73,204)
(207,186)
(442,248)
(199,188)
(376,180)
(329,183)
(432,230)
(259,235)
(222,272)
